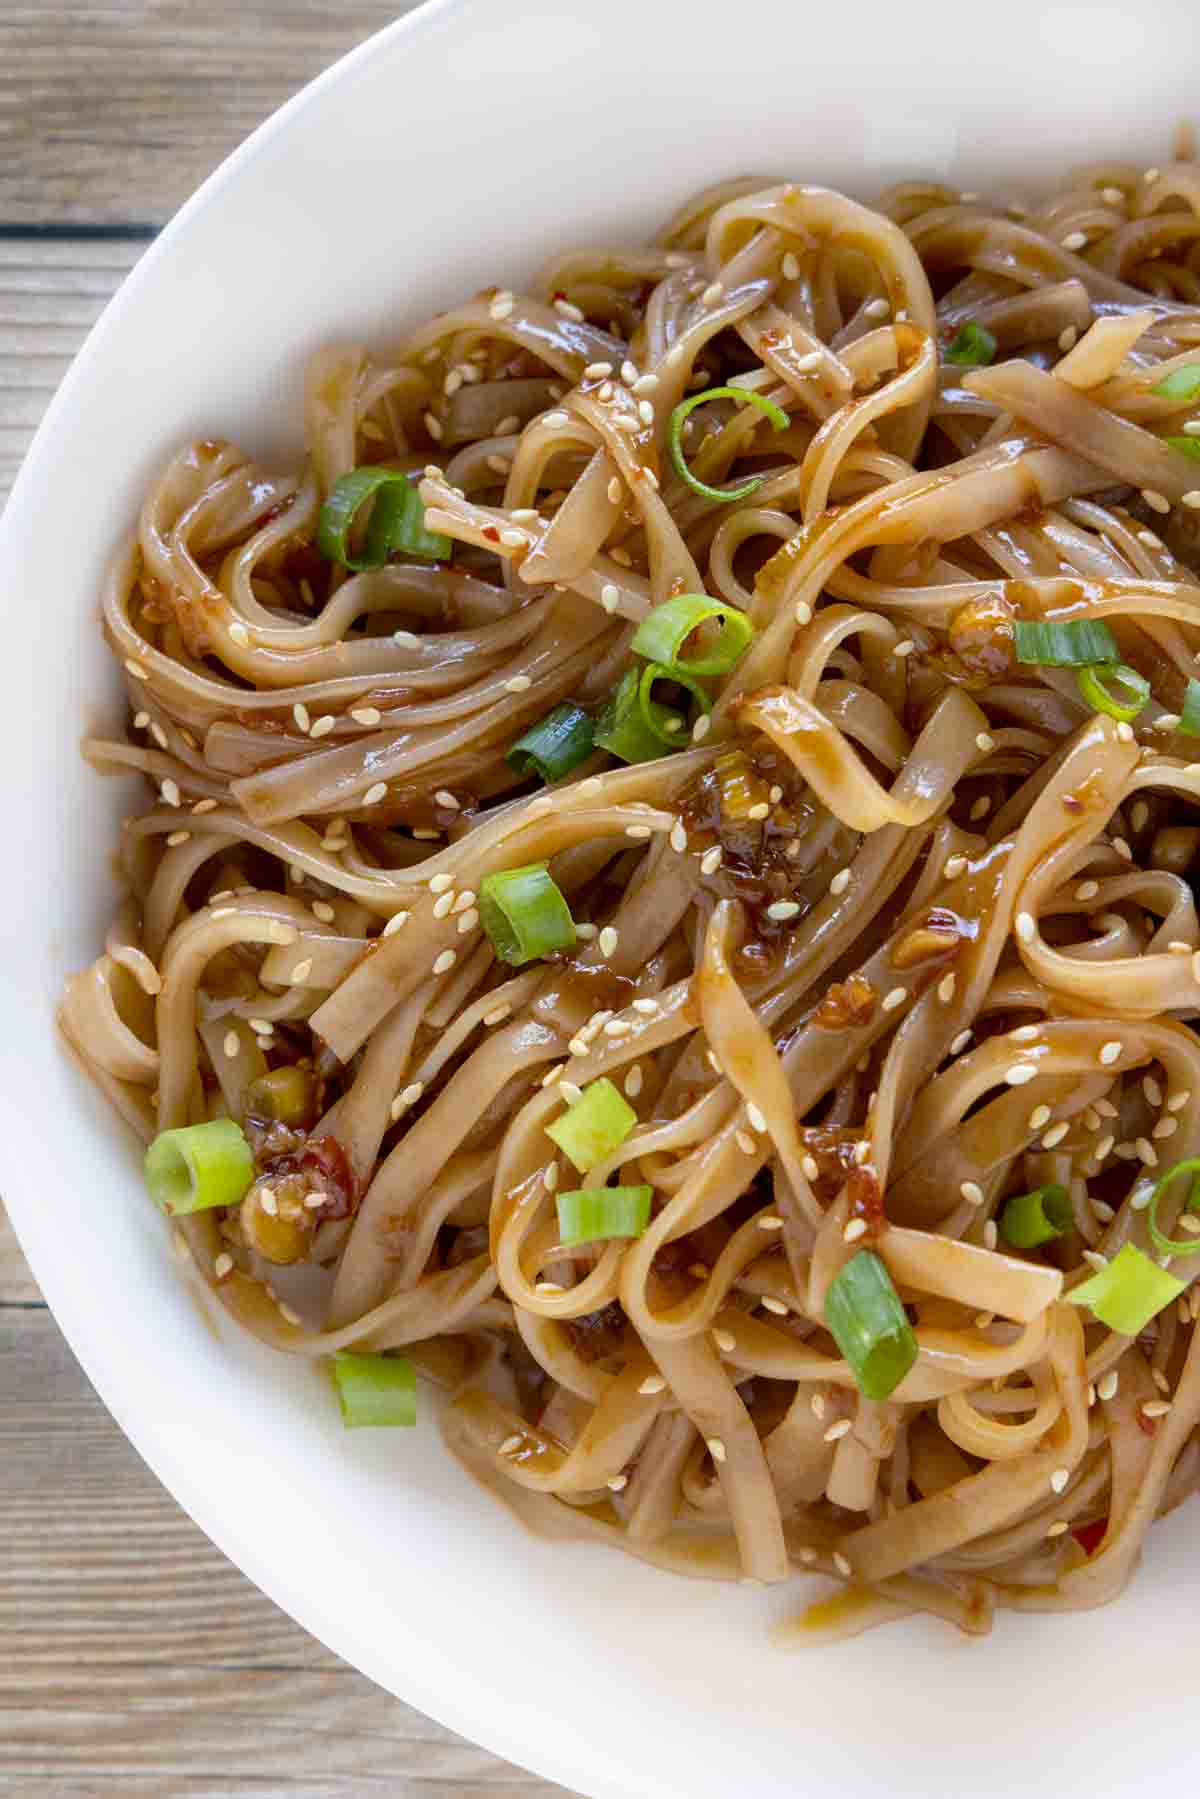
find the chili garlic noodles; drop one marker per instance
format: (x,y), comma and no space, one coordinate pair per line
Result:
(675,906)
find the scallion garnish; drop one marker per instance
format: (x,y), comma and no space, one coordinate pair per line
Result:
(375,1389)
(524,914)
(589,1131)
(199,1166)
(1091,686)
(590,1213)
(1187,446)
(1128,1293)
(555,745)
(866,1320)
(1175,1246)
(1038,1217)
(1180,384)
(663,633)
(396,524)
(1189,718)
(973,347)
(1073,643)
(634,725)
(768,408)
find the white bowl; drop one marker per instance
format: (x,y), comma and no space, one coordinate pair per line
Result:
(455,149)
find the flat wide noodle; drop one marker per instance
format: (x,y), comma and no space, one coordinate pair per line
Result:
(896,926)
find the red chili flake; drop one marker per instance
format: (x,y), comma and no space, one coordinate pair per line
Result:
(325,1156)
(1148,1425)
(491,533)
(1090,1536)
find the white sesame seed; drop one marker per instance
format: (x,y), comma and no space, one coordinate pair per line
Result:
(725,1341)
(842,1564)
(1177,1101)
(770,1304)
(1109,1052)
(1156,1408)
(301,972)
(467,922)
(877,308)
(1055,1135)
(1095,1260)
(836,1431)
(960,1043)
(817,1404)
(745,1143)
(790,267)
(710,861)
(638,831)
(395,923)
(223,1265)
(498,1014)
(442,905)
(759,811)
(445,962)
(782,909)
(570,1092)
(501,305)
(268,1202)
(716,1448)
(984,741)
(1039,1117)
(1147,1154)
(1106,1386)
(231,1044)
(586,933)
(856,1228)
(239,633)
(1025,927)
(408,640)
(375,793)
(1103,1149)
(608,940)
(518,684)
(653,1383)
(946,987)
(811,1168)
(170,792)
(610,597)
(895,998)
(1156,501)
(712,293)
(646,412)
(596,371)
(175,838)
(972,1192)
(511,1444)
(1074,240)
(803,613)
(1019,1073)
(678,838)
(755,1116)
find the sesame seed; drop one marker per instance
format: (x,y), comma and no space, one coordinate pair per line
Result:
(811,1168)
(1156,501)
(745,1143)
(1095,1260)
(1059,1529)
(946,987)
(610,597)
(638,831)
(510,1445)
(770,1221)
(678,838)
(817,1403)
(395,923)
(511,538)
(301,972)
(877,309)
(1160,1380)
(170,792)
(222,1266)
(1109,1052)
(790,267)
(1146,1152)
(1025,927)
(1177,1101)
(617,1027)
(445,962)
(467,922)
(856,1228)
(175,838)
(433,426)
(716,1448)
(653,1383)
(1019,1073)
(840,881)
(231,1045)
(596,371)
(836,1431)
(1055,1135)
(1074,240)
(972,1192)
(712,293)
(586,933)
(1106,1386)
(1156,1408)
(842,1565)
(803,613)
(239,633)
(269,1203)
(408,640)
(725,1341)
(1192,498)
(984,741)
(1103,1149)
(1166,1127)
(1039,1117)
(895,998)
(447,799)
(759,811)
(646,412)
(204,806)
(570,1092)
(508,424)
(608,940)
(442,905)
(701,728)
(813,360)
(710,861)
(771,1304)
(782,909)
(375,793)
(755,1115)
(556,420)
(502,305)
(1125,733)
(518,684)
(648,1007)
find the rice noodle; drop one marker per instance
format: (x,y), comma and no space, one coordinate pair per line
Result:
(950,953)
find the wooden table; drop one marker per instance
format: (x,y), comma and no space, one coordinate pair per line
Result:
(134,1659)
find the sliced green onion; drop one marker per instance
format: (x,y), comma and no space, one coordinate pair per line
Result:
(1128,1293)
(375,1389)
(870,1326)
(1074,643)
(1175,1246)
(634,725)
(1189,718)
(973,346)
(396,524)
(1032,1218)
(768,408)
(199,1166)
(662,634)
(1180,384)
(524,914)
(589,1131)
(1091,686)
(1187,446)
(555,745)
(591,1213)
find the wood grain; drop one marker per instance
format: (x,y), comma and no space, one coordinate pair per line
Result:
(114,111)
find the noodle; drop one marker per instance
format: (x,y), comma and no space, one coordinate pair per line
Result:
(899,930)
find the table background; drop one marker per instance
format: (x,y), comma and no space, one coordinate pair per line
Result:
(135,1661)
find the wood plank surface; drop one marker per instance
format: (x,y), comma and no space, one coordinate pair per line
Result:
(112,111)
(135,1661)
